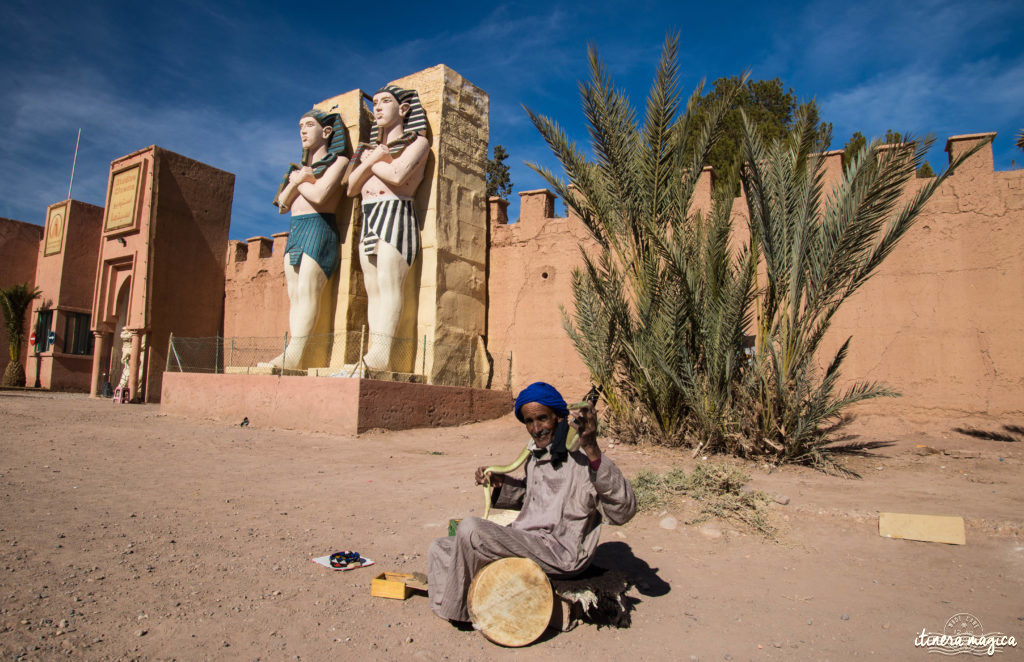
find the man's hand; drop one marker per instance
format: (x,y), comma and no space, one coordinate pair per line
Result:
(496,479)
(585,422)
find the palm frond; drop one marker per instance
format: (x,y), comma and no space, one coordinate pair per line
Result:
(14,302)
(663,307)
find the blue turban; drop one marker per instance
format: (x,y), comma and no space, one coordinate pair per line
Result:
(544,394)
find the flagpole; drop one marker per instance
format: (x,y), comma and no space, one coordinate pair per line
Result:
(73,162)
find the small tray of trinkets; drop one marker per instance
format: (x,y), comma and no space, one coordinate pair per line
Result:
(346,560)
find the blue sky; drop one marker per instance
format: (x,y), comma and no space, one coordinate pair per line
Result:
(225,82)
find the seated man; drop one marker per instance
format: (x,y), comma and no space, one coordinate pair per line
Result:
(559,524)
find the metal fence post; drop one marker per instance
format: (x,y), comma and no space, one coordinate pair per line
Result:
(216,354)
(362,349)
(175,350)
(231,357)
(170,348)
(424,362)
(284,353)
(508,380)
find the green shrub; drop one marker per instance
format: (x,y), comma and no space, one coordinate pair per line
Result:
(665,308)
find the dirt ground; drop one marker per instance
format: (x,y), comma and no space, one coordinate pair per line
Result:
(128,534)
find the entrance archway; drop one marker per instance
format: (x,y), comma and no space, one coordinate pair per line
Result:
(117,368)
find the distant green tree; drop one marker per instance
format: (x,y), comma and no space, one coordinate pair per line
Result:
(14,301)
(771,107)
(499,182)
(893,137)
(857,141)
(853,146)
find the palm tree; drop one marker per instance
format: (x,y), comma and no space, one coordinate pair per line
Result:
(663,307)
(1020,139)
(14,301)
(818,248)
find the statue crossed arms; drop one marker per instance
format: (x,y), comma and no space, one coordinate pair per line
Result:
(386,173)
(311,192)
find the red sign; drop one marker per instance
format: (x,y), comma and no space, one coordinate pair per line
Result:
(32,338)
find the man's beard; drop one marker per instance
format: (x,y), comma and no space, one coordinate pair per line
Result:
(553,441)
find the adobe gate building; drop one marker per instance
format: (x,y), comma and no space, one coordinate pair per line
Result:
(65,274)
(160,268)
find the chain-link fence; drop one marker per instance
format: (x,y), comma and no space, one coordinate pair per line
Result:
(346,354)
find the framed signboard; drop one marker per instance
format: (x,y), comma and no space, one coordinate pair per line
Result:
(123,199)
(56,219)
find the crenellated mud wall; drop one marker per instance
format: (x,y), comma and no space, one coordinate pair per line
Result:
(939,322)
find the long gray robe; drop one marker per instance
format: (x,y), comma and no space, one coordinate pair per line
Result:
(559,526)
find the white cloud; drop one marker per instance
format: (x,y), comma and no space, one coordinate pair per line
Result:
(115,124)
(922,100)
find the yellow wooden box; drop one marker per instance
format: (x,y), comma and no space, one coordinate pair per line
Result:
(395,585)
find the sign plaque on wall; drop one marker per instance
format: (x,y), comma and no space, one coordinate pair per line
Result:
(123,199)
(55,221)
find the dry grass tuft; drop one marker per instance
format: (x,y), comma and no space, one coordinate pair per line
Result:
(718,489)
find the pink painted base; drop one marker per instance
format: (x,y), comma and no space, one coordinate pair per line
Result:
(324,404)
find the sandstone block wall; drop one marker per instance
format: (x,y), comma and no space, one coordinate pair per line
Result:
(939,322)
(191,217)
(445,290)
(451,292)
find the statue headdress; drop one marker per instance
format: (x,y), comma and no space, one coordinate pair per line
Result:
(335,146)
(414,124)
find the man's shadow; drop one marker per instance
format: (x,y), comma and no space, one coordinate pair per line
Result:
(614,570)
(619,556)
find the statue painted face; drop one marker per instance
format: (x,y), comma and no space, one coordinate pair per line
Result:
(312,134)
(387,111)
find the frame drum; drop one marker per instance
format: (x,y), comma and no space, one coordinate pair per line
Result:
(510,601)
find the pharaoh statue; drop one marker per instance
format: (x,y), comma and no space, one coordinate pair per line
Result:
(311,193)
(386,173)
(126,357)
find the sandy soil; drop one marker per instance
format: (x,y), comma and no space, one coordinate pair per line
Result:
(128,534)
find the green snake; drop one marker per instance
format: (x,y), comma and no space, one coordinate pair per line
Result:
(572,442)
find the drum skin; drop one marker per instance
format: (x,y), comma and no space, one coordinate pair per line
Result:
(510,601)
